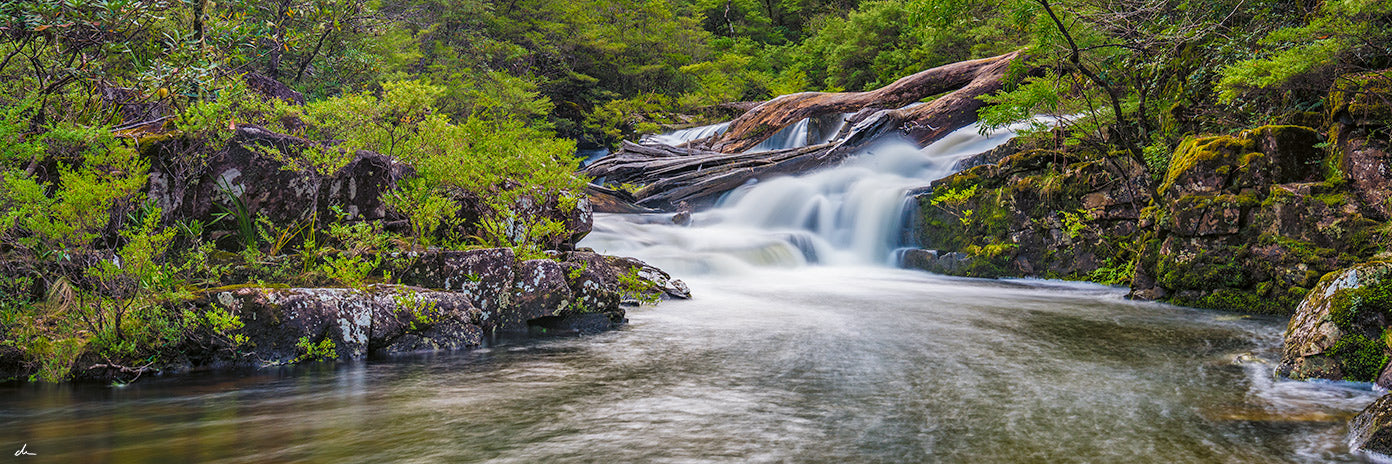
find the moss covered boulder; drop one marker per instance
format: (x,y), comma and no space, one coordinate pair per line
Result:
(1339,332)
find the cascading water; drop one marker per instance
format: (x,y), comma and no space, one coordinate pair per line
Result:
(679,137)
(847,215)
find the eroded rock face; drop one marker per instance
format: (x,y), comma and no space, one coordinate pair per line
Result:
(540,291)
(592,281)
(1370,431)
(1248,223)
(1034,213)
(357,322)
(1337,331)
(1358,113)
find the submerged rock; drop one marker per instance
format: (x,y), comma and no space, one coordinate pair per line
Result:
(1370,431)
(1339,330)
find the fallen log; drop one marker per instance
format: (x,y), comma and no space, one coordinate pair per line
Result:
(698,172)
(965,80)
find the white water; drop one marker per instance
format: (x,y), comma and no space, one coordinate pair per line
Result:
(848,215)
(679,137)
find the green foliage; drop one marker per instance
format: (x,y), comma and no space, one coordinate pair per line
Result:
(1075,222)
(324,350)
(632,286)
(424,313)
(955,202)
(96,173)
(1114,271)
(222,323)
(1340,36)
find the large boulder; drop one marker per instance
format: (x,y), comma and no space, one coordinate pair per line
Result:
(279,323)
(1339,331)
(563,293)
(1371,429)
(575,214)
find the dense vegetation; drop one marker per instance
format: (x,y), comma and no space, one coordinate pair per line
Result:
(94,271)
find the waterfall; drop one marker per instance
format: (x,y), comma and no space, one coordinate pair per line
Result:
(852,214)
(679,137)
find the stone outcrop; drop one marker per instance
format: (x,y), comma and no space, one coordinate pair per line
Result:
(1358,113)
(1248,222)
(448,300)
(280,323)
(1034,213)
(249,171)
(1339,332)
(1245,222)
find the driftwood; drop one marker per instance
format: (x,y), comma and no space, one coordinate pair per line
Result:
(924,124)
(699,172)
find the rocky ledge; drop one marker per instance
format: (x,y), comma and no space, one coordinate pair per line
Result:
(444,301)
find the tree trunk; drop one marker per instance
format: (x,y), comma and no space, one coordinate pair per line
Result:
(966,80)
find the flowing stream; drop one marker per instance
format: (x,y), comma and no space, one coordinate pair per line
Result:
(801,345)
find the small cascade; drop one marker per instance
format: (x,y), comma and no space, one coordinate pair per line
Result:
(849,215)
(678,137)
(793,136)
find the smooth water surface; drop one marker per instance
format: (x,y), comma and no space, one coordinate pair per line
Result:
(814,365)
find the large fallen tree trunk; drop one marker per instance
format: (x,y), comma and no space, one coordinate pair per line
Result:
(924,124)
(699,173)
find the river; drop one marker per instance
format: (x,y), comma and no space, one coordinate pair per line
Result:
(800,345)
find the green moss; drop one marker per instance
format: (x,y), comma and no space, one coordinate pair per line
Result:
(1361,357)
(1205,271)
(229,288)
(1192,152)
(1253,301)
(1351,307)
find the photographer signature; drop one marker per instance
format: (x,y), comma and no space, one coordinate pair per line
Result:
(24,451)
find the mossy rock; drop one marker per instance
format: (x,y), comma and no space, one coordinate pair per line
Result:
(1361,98)
(1344,318)
(1252,158)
